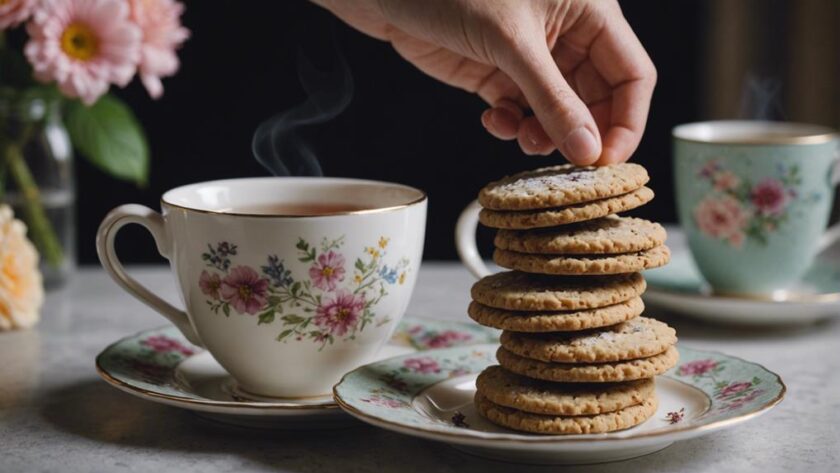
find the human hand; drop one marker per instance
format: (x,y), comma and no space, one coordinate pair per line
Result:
(575,63)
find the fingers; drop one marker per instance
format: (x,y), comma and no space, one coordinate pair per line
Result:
(621,59)
(503,120)
(564,117)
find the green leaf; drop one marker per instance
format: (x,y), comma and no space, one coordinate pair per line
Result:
(275,300)
(108,134)
(359,265)
(295,288)
(226,309)
(292,319)
(284,334)
(266,317)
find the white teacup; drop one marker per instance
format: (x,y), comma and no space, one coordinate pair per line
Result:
(286,303)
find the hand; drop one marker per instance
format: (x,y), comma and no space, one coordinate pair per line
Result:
(576,63)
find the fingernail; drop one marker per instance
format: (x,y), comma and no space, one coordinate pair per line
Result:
(580,146)
(485,119)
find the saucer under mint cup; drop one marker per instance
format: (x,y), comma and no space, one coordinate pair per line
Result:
(754,200)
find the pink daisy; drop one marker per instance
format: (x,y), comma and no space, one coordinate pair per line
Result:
(245,290)
(340,314)
(160,21)
(210,283)
(83,45)
(15,12)
(328,271)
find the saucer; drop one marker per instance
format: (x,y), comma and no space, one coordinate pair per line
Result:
(680,288)
(161,366)
(430,395)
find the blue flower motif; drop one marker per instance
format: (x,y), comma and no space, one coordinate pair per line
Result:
(389,275)
(277,272)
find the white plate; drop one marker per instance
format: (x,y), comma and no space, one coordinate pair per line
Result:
(430,395)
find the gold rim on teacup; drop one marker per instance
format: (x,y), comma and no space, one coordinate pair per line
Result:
(771,133)
(422,196)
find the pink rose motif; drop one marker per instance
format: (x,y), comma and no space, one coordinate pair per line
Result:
(769,196)
(447,339)
(341,314)
(722,217)
(164,344)
(697,367)
(734,388)
(726,180)
(328,271)
(210,283)
(423,365)
(741,401)
(245,290)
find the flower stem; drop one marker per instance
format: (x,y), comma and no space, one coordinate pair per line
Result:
(40,228)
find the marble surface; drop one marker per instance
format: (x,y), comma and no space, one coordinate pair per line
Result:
(57,415)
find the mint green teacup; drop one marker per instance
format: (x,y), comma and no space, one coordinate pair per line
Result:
(754,199)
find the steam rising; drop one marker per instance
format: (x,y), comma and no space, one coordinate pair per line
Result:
(761,99)
(278,144)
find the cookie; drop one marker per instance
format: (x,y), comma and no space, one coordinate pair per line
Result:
(514,290)
(561,425)
(638,338)
(547,321)
(565,215)
(504,388)
(578,265)
(594,373)
(557,186)
(609,235)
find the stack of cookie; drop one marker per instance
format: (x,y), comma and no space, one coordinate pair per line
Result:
(576,355)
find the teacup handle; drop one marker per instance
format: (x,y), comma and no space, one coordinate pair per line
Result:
(832,235)
(154,223)
(465,241)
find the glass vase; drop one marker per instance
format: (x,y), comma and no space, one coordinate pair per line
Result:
(36,178)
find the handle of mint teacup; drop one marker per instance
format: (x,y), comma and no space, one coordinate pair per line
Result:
(832,235)
(465,241)
(152,221)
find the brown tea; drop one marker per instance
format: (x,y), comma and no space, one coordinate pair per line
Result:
(298,208)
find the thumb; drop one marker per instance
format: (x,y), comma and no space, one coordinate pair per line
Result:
(562,114)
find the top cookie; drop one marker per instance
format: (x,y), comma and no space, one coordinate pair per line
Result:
(563,185)
(514,290)
(608,235)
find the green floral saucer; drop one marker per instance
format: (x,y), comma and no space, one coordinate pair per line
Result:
(430,395)
(160,365)
(679,287)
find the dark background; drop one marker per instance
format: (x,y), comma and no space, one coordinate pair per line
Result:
(239,67)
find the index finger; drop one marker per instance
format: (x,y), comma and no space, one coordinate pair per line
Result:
(622,61)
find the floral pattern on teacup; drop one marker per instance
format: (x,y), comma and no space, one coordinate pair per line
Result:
(324,306)
(736,208)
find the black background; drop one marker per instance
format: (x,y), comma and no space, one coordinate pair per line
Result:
(239,67)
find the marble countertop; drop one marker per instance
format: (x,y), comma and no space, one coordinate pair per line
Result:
(57,415)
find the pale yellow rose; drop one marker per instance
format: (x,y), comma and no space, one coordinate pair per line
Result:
(21,289)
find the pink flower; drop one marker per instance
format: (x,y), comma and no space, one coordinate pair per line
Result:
(423,365)
(83,45)
(723,218)
(162,34)
(447,339)
(15,12)
(328,271)
(340,314)
(734,388)
(697,367)
(164,344)
(210,283)
(769,196)
(245,290)
(726,180)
